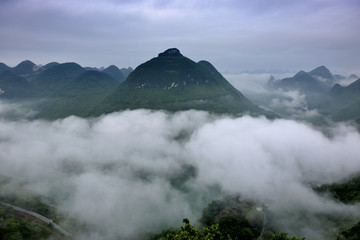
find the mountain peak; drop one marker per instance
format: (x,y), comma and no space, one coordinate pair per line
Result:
(301,73)
(336,88)
(173,82)
(321,68)
(171,52)
(323,72)
(353,76)
(115,73)
(25,67)
(27,62)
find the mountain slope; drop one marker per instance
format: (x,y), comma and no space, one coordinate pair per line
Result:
(4,67)
(173,82)
(353,76)
(79,95)
(323,75)
(126,71)
(24,68)
(13,86)
(114,72)
(302,82)
(55,77)
(342,103)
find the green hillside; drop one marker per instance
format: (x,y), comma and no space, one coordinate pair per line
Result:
(173,82)
(78,96)
(342,103)
(55,77)
(13,86)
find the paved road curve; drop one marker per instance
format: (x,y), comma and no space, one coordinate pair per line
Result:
(263,227)
(40,217)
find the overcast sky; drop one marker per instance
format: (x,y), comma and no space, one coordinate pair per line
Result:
(234,35)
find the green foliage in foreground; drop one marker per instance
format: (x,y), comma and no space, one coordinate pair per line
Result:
(213,232)
(284,236)
(211,211)
(190,232)
(237,218)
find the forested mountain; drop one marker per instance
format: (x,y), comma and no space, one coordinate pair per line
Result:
(78,96)
(25,67)
(55,77)
(173,82)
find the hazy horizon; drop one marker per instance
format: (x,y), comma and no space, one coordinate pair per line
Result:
(233,35)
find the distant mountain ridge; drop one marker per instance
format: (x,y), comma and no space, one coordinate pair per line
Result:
(43,80)
(170,82)
(336,102)
(342,103)
(59,89)
(318,80)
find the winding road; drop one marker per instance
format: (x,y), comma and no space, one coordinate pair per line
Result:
(40,217)
(263,227)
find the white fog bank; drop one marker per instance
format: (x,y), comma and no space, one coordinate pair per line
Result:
(117,172)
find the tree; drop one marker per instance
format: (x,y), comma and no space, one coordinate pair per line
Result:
(284,236)
(188,232)
(237,227)
(211,211)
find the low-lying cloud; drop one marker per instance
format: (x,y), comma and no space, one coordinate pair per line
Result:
(288,104)
(137,171)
